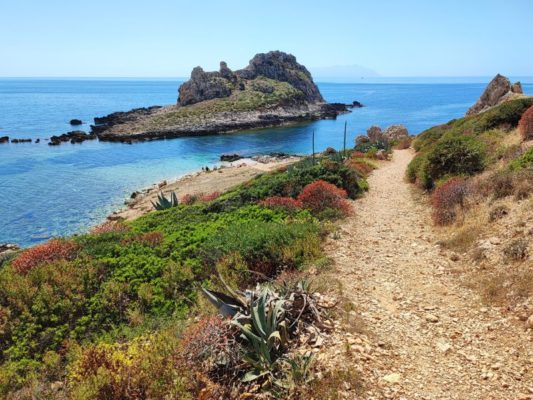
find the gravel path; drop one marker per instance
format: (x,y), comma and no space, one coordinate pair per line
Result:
(428,337)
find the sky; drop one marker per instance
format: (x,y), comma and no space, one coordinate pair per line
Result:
(167,38)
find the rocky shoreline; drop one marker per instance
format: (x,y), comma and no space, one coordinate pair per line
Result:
(116,130)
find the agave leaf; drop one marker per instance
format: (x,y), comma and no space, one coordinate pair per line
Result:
(251,376)
(226,305)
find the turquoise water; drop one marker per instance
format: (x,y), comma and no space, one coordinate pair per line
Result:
(50,191)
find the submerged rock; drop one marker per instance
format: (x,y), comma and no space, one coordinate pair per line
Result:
(72,137)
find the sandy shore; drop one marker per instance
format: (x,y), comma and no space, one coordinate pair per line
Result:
(222,179)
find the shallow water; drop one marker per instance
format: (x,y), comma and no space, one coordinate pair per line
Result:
(49,191)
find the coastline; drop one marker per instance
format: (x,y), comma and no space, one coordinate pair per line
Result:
(220,179)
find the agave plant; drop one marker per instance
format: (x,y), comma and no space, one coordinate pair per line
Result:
(163,203)
(260,318)
(265,334)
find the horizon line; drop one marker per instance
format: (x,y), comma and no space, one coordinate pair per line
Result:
(317,77)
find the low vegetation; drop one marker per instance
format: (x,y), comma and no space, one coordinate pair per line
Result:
(479,173)
(110,314)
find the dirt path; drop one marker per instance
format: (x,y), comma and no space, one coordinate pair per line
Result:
(428,337)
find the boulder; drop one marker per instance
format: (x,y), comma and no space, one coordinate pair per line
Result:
(381,154)
(395,132)
(21,140)
(375,134)
(497,91)
(361,140)
(517,88)
(4,139)
(76,121)
(7,247)
(356,104)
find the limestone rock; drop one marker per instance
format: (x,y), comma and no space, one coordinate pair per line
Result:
(374,133)
(496,92)
(282,67)
(275,65)
(394,132)
(517,88)
(205,86)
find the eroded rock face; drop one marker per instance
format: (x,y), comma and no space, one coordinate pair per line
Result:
(517,88)
(282,67)
(206,85)
(497,91)
(275,65)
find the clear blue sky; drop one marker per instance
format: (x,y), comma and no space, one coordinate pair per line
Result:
(167,38)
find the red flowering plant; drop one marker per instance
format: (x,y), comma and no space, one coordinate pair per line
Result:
(448,198)
(53,250)
(321,196)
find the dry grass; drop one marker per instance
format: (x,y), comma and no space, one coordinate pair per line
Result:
(461,239)
(334,384)
(504,288)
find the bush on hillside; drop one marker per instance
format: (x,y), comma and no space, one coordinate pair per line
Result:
(285,203)
(448,198)
(526,124)
(53,250)
(522,162)
(320,196)
(460,155)
(210,347)
(142,369)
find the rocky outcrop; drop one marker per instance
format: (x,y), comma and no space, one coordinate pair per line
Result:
(4,139)
(274,65)
(497,91)
(282,67)
(206,85)
(72,137)
(374,134)
(76,121)
(517,88)
(21,140)
(395,132)
(101,124)
(274,89)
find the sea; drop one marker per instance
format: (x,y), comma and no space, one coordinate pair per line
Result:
(49,191)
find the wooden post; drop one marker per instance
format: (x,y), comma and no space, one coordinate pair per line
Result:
(313,147)
(345,124)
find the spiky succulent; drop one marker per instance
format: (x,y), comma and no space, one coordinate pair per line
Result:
(163,203)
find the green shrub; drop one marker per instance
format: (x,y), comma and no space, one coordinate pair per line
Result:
(524,161)
(462,155)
